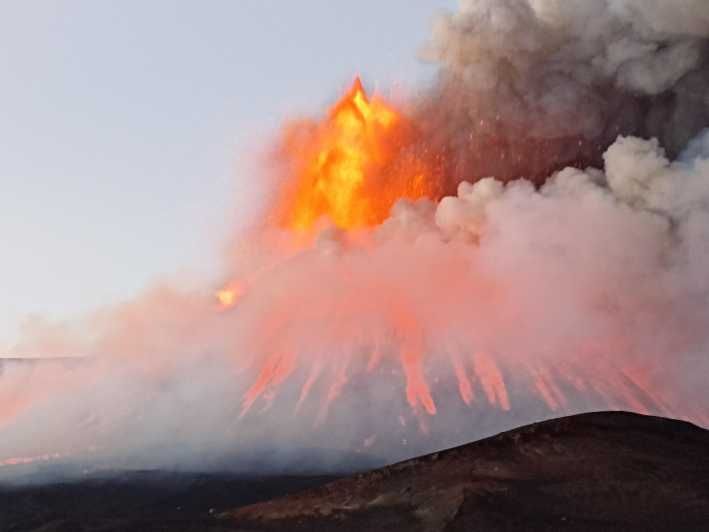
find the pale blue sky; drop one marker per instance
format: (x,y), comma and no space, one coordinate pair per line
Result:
(126,126)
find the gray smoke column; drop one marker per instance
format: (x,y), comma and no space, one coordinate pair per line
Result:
(530,86)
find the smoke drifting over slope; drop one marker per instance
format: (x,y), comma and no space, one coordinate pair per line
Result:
(532,290)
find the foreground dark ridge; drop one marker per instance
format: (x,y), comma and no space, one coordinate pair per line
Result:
(603,471)
(599,471)
(139,501)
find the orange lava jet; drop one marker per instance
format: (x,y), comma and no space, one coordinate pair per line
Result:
(352,166)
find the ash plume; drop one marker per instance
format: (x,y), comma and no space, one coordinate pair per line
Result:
(565,271)
(527,87)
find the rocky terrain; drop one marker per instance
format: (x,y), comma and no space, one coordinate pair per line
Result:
(600,471)
(140,501)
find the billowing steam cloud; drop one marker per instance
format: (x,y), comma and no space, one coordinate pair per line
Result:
(527,85)
(576,288)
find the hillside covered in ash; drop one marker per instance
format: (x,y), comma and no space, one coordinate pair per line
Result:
(598,471)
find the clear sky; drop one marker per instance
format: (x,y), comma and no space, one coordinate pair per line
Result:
(125,127)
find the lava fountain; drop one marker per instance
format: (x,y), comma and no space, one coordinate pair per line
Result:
(351,167)
(395,285)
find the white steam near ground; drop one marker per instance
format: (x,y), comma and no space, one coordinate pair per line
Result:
(583,269)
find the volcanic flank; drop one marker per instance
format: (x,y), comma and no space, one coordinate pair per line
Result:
(527,237)
(600,471)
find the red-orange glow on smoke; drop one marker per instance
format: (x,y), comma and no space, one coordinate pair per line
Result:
(23,460)
(349,168)
(390,299)
(363,318)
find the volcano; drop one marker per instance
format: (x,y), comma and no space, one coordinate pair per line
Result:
(527,237)
(597,471)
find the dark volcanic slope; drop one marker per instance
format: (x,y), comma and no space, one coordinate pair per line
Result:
(139,501)
(601,471)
